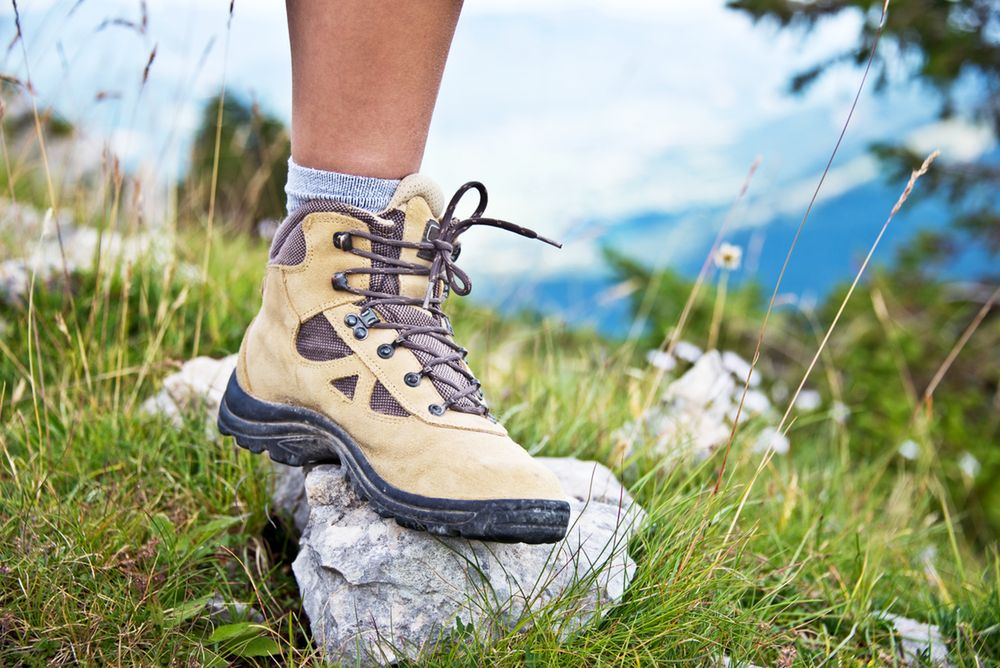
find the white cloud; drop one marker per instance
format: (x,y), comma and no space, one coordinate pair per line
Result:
(793,199)
(957,140)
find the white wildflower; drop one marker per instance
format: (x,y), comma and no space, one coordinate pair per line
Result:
(909,449)
(728,257)
(840,412)
(772,439)
(755,403)
(687,351)
(661,360)
(808,400)
(969,465)
(739,367)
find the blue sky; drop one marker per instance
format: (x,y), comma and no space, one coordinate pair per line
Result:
(578,115)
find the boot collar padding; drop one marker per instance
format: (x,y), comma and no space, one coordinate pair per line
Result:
(418,185)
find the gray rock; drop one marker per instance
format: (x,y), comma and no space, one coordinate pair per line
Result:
(921,644)
(288,494)
(377,593)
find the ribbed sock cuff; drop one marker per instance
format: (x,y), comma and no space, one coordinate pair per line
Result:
(365,192)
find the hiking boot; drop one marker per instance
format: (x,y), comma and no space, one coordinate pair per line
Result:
(352,360)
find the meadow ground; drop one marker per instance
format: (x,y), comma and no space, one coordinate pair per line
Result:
(117,527)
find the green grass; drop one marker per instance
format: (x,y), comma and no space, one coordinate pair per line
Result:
(115,527)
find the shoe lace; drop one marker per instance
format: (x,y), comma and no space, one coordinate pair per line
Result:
(444,276)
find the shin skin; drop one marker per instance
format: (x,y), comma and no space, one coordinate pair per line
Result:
(365,77)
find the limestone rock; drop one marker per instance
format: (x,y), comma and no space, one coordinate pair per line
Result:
(377,593)
(921,644)
(199,384)
(698,406)
(47,247)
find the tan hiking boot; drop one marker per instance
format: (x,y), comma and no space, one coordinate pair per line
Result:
(351,359)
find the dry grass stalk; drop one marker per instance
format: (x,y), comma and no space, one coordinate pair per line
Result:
(925,400)
(914,176)
(791,249)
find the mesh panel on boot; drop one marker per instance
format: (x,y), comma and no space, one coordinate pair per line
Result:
(420,318)
(346,385)
(385,403)
(386,282)
(319,342)
(293,249)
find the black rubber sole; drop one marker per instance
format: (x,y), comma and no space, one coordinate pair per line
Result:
(298,436)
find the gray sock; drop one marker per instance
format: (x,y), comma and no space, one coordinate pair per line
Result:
(365,192)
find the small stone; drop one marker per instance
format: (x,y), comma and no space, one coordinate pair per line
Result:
(228,611)
(199,384)
(922,644)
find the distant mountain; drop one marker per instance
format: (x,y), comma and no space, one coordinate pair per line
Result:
(833,244)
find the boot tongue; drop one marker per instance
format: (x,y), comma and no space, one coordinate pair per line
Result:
(412,215)
(414,209)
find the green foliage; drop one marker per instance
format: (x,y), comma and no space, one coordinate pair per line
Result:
(887,363)
(898,332)
(895,335)
(253,151)
(661,296)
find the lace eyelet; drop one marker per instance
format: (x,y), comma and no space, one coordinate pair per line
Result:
(386,350)
(343,241)
(339,281)
(436,409)
(412,379)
